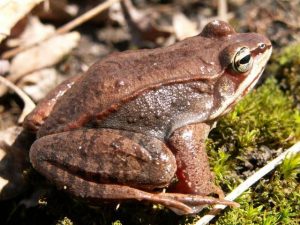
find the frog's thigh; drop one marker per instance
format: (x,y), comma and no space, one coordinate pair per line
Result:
(104,156)
(37,117)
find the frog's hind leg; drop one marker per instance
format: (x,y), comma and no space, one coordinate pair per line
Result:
(37,117)
(90,162)
(108,164)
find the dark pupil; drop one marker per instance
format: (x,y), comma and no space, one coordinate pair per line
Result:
(262,46)
(245,60)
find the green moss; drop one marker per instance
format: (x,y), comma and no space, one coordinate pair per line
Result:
(65,221)
(286,67)
(117,222)
(266,117)
(290,168)
(272,201)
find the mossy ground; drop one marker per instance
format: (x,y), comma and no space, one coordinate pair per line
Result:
(266,121)
(261,125)
(243,141)
(285,67)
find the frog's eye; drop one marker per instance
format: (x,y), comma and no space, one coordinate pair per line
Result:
(242,60)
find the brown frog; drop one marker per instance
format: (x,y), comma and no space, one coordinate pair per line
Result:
(135,123)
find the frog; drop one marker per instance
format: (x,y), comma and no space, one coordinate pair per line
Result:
(133,127)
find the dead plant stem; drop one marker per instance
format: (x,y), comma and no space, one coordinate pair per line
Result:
(28,103)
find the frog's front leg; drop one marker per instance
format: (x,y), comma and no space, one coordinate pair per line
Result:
(110,165)
(193,173)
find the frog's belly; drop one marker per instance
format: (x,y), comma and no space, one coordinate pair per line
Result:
(159,112)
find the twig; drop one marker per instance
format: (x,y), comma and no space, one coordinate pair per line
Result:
(249,182)
(65,28)
(28,103)
(85,17)
(222,10)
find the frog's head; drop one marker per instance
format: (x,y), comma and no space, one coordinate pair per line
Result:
(242,57)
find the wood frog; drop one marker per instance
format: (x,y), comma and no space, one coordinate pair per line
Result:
(135,123)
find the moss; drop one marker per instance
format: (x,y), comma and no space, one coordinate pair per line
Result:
(272,201)
(266,117)
(117,222)
(286,67)
(290,168)
(65,221)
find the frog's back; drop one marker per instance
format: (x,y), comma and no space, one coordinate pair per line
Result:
(121,77)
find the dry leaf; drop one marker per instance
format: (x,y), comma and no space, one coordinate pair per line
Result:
(57,10)
(8,136)
(143,24)
(11,11)
(46,54)
(4,67)
(39,83)
(34,32)
(115,14)
(184,27)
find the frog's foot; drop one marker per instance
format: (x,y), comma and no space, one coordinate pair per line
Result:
(195,203)
(181,204)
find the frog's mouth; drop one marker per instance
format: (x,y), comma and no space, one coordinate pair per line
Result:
(249,82)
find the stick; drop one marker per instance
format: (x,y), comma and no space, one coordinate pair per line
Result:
(65,28)
(28,103)
(249,182)
(222,10)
